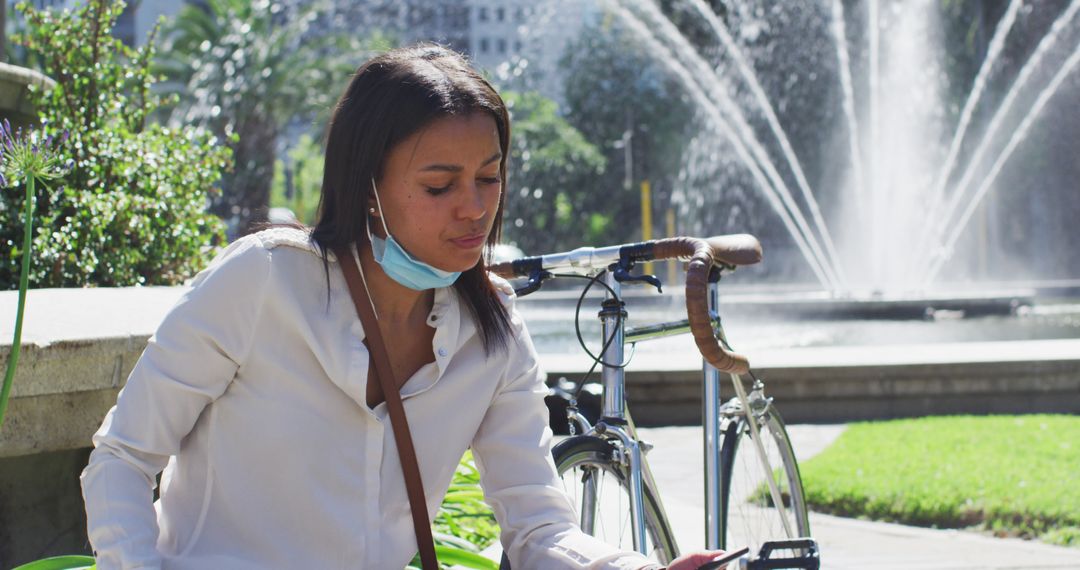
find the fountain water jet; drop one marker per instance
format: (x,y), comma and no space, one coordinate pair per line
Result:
(762,99)
(840,36)
(905,150)
(997,43)
(747,138)
(875,57)
(740,147)
(902,152)
(1017,136)
(938,225)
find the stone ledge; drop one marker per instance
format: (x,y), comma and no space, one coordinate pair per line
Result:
(75,366)
(839,384)
(79,345)
(54,422)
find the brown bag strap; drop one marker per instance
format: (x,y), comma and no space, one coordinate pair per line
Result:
(377,348)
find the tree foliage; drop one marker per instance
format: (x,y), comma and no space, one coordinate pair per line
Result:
(550,202)
(298,179)
(246,69)
(131,209)
(617,91)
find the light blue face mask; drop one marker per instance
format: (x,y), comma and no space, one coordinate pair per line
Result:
(399,265)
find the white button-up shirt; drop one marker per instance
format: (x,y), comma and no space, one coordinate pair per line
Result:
(252,397)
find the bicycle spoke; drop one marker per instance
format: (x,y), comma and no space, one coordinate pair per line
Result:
(601,486)
(767,463)
(753,514)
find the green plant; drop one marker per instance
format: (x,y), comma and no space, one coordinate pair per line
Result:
(28,160)
(298,181)
(132,208)
(464,524)
(69,562)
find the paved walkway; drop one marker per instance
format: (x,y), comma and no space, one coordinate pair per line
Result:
(845,544)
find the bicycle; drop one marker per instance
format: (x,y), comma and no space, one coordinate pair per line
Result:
(753,491)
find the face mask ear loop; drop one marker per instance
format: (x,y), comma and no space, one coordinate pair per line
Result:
(378,204)
(363,279)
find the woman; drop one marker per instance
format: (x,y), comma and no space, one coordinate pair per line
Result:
(253,393)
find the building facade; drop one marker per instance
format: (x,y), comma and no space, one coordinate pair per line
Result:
(497,35)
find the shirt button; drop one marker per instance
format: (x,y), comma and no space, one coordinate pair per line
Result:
(442,352)
(434,318)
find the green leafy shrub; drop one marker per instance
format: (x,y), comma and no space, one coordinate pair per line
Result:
(132,208)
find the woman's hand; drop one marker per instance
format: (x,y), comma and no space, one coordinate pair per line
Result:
(695,560)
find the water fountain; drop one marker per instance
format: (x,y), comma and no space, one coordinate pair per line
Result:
(877,170)
(874,156)
(913,175)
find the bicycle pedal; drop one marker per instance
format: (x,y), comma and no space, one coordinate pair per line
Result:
(804,555)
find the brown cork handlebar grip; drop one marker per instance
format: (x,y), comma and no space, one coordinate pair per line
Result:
(503,269)
(703,255)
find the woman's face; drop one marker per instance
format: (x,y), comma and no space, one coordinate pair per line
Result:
(440,190)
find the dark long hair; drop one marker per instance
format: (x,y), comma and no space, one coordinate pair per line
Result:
(390,98)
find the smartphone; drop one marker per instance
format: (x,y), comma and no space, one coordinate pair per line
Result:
(732,556)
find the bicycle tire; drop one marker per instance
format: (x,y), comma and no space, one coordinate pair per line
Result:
(593,456)
(749,516)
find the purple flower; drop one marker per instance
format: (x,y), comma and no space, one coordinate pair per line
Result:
(24,155)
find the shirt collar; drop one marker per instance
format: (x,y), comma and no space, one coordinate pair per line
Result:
(445,301)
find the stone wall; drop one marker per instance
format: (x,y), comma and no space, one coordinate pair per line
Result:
(79,345)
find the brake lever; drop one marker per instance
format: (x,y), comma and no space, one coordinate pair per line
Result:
(536,280)
(622,275)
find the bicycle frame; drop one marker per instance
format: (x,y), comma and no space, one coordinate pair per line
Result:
(615,424)
(614,414)
(711,436)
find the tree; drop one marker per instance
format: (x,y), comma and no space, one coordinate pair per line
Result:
(553,172)
(298,179)
(246,69)
(617,93)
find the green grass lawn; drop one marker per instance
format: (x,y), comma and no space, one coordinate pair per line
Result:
(1012,475)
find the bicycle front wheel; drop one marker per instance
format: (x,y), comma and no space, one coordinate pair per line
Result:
(598,484)
(750,515)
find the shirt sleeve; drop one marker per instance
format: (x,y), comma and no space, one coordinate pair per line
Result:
(512,449)
(188,363)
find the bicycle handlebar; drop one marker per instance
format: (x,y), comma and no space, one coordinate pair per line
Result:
(703,254)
